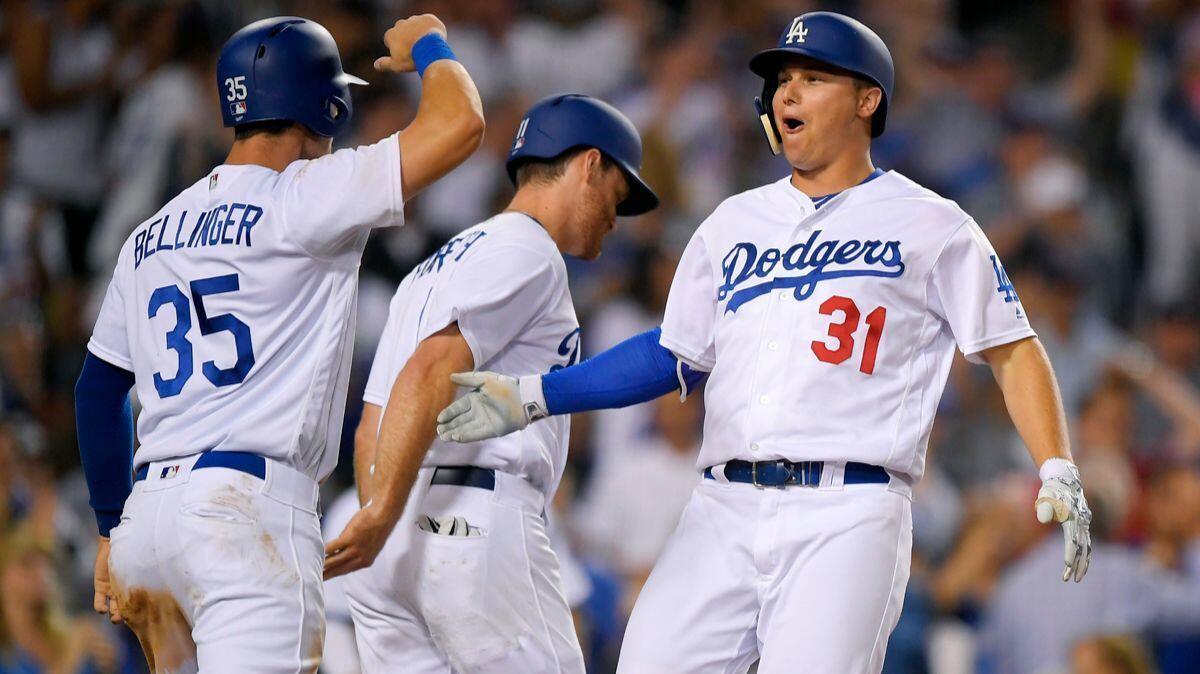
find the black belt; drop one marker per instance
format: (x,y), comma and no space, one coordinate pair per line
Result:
(251,464)
(784,473)
(465,476)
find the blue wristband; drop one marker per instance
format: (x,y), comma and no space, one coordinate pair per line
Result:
(428,49)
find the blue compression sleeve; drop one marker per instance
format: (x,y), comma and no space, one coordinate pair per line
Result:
(104,424)
(634,371)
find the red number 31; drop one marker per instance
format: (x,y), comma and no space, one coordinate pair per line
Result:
(844,333)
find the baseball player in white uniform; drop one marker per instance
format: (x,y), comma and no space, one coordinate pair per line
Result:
(467,580)
(232,311)
(825,309)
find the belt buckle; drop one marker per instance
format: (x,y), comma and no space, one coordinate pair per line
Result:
(779,484)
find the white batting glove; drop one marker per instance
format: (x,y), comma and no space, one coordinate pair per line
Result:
(497,406)
(1061,500)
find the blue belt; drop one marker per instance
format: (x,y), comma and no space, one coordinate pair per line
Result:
(251,464)
(784,473)
(465,476)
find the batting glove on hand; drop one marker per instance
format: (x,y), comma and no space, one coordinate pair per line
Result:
(1061,499)
(497,406)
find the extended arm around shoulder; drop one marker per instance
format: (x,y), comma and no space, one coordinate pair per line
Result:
(634,371)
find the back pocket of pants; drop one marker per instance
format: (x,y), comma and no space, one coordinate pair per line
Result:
(226,503)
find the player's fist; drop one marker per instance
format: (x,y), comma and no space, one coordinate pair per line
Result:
(102,600)
(1061,500)
(400,39)
(360,542)
(497,406)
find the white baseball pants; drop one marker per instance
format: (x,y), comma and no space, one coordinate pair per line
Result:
(435,603)
(219,571)
(809,579)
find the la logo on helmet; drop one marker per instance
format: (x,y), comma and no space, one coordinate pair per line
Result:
(797,32)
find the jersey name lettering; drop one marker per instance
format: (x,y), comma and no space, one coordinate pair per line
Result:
(821,261)
(459,244)
(224,225)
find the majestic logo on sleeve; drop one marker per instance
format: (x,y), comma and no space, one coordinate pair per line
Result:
(813,263)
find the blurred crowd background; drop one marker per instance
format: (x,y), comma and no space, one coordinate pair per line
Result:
(1070,129)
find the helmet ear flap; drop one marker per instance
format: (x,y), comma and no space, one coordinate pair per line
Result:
(337,111)
(774,140)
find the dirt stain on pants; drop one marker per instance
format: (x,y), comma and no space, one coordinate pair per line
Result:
(161,628)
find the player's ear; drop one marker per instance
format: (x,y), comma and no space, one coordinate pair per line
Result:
(593,165)
(868,101)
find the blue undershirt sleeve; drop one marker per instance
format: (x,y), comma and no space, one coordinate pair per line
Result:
(635,371)
(104,425)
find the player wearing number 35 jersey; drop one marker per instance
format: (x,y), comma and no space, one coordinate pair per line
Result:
(825,309)
(232,312)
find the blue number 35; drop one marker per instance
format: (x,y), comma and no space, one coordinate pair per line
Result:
(177,340)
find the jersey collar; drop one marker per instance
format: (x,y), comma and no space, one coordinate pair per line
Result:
(822,200)
(811,204)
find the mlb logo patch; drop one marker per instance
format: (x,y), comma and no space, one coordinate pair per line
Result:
(169,472)
(212,181)
(238,108)
(520,140)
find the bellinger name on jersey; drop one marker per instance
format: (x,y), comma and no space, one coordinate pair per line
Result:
(851,257)
(223,225)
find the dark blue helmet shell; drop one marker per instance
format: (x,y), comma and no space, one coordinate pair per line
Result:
(564,122)
(285,68)
(836,40)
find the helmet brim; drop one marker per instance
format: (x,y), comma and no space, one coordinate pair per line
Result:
(641,198)
(347,78)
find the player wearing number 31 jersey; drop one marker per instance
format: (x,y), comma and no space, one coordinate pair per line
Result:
(825,308)
(232,311)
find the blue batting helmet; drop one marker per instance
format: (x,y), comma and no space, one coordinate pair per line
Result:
(833,39)
(285,68)
(564,122)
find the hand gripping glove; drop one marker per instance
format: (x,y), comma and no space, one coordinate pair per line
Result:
(1061,499)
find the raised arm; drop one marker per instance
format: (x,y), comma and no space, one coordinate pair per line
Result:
(1170,392)
(637,370)
(449,123)
(421,389)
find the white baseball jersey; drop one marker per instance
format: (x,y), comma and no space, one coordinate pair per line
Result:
(830,332)
(505,283)
(234,306)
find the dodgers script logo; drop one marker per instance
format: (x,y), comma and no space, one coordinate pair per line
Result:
(816,262)
(568,347)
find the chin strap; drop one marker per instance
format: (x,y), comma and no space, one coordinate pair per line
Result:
(773,138)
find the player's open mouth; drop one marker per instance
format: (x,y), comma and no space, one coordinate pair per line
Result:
(792,124)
